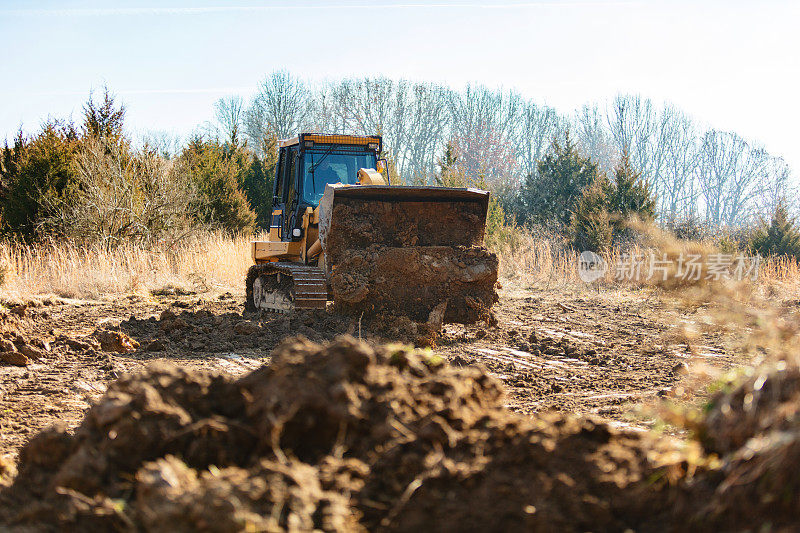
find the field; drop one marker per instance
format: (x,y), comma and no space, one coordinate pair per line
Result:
(559,347)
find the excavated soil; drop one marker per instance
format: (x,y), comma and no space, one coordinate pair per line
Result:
(416,280)
(337,438)
(410,258)
(359,224)
(316,436)
(351,437)
(603,353)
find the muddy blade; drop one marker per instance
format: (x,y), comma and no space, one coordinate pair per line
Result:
(363,216)
(284,287)
(407,250)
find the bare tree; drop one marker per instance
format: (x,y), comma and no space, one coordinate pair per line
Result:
(229,114)
(728,172)
(678,191)
(280,108)
(124,196)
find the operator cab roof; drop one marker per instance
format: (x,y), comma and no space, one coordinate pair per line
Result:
(307,140)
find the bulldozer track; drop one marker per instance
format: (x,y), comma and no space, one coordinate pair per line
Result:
(267,289)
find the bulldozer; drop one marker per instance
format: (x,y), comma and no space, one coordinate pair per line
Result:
(341,232)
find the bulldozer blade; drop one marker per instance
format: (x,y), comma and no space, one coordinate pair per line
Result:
(407,250)
(385,215)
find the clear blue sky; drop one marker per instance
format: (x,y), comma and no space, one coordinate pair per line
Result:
(730,64)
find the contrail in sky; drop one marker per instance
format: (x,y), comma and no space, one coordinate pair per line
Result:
(251,9)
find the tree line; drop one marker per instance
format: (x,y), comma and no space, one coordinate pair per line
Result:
(91,182)
(579,175)
(717,178)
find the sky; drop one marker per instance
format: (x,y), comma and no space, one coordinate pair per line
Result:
(732,65)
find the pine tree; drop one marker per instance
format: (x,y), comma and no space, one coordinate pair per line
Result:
(630,196)
(779,237)
(591,227)
(103,119)
(217,174)
(551,195)
(448,176)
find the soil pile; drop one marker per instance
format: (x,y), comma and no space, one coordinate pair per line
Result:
(407,258)
(349,437)
(755,428)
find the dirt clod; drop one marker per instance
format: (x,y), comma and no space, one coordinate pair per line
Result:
(14,358)
(115,341)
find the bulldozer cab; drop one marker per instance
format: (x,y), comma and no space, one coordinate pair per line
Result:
(306,164)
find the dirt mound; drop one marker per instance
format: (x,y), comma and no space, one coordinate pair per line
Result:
(349,436)
(400,432)
(415,280)
(755,428)
(356,223)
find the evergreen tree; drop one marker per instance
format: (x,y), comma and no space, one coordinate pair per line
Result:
(256,180)
(630,195)
(217,175)
(591,227)
(103,119)
(38,175)
(448,176)
(779,237)
(550,196)
(601,214)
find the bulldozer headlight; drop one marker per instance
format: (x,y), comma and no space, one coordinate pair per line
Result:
(296,232)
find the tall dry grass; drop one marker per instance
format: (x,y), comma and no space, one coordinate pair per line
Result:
(206,261)
(210,261)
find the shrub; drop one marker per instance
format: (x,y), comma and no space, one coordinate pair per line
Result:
(779,237)
(124,195)
(591,225)
(551,195)
(602,214)
(215,172)
(256,178)
(38,175)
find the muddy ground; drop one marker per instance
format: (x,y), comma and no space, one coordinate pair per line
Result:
(611,353)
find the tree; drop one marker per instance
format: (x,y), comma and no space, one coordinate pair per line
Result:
(280,109)
(630,195)
(39,174)
(591,226)
(229,115)
(779,237)
(602,213)
(550,195)
(216,174)
(103,119)
(257,179)
(124,195)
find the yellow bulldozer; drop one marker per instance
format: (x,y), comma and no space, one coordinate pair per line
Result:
(340,231)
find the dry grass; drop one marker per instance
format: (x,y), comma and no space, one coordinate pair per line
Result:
(208,261)
(212,261)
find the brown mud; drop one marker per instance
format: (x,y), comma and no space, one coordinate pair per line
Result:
(603,353)
(347,437)
(415,280)
(323,437)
